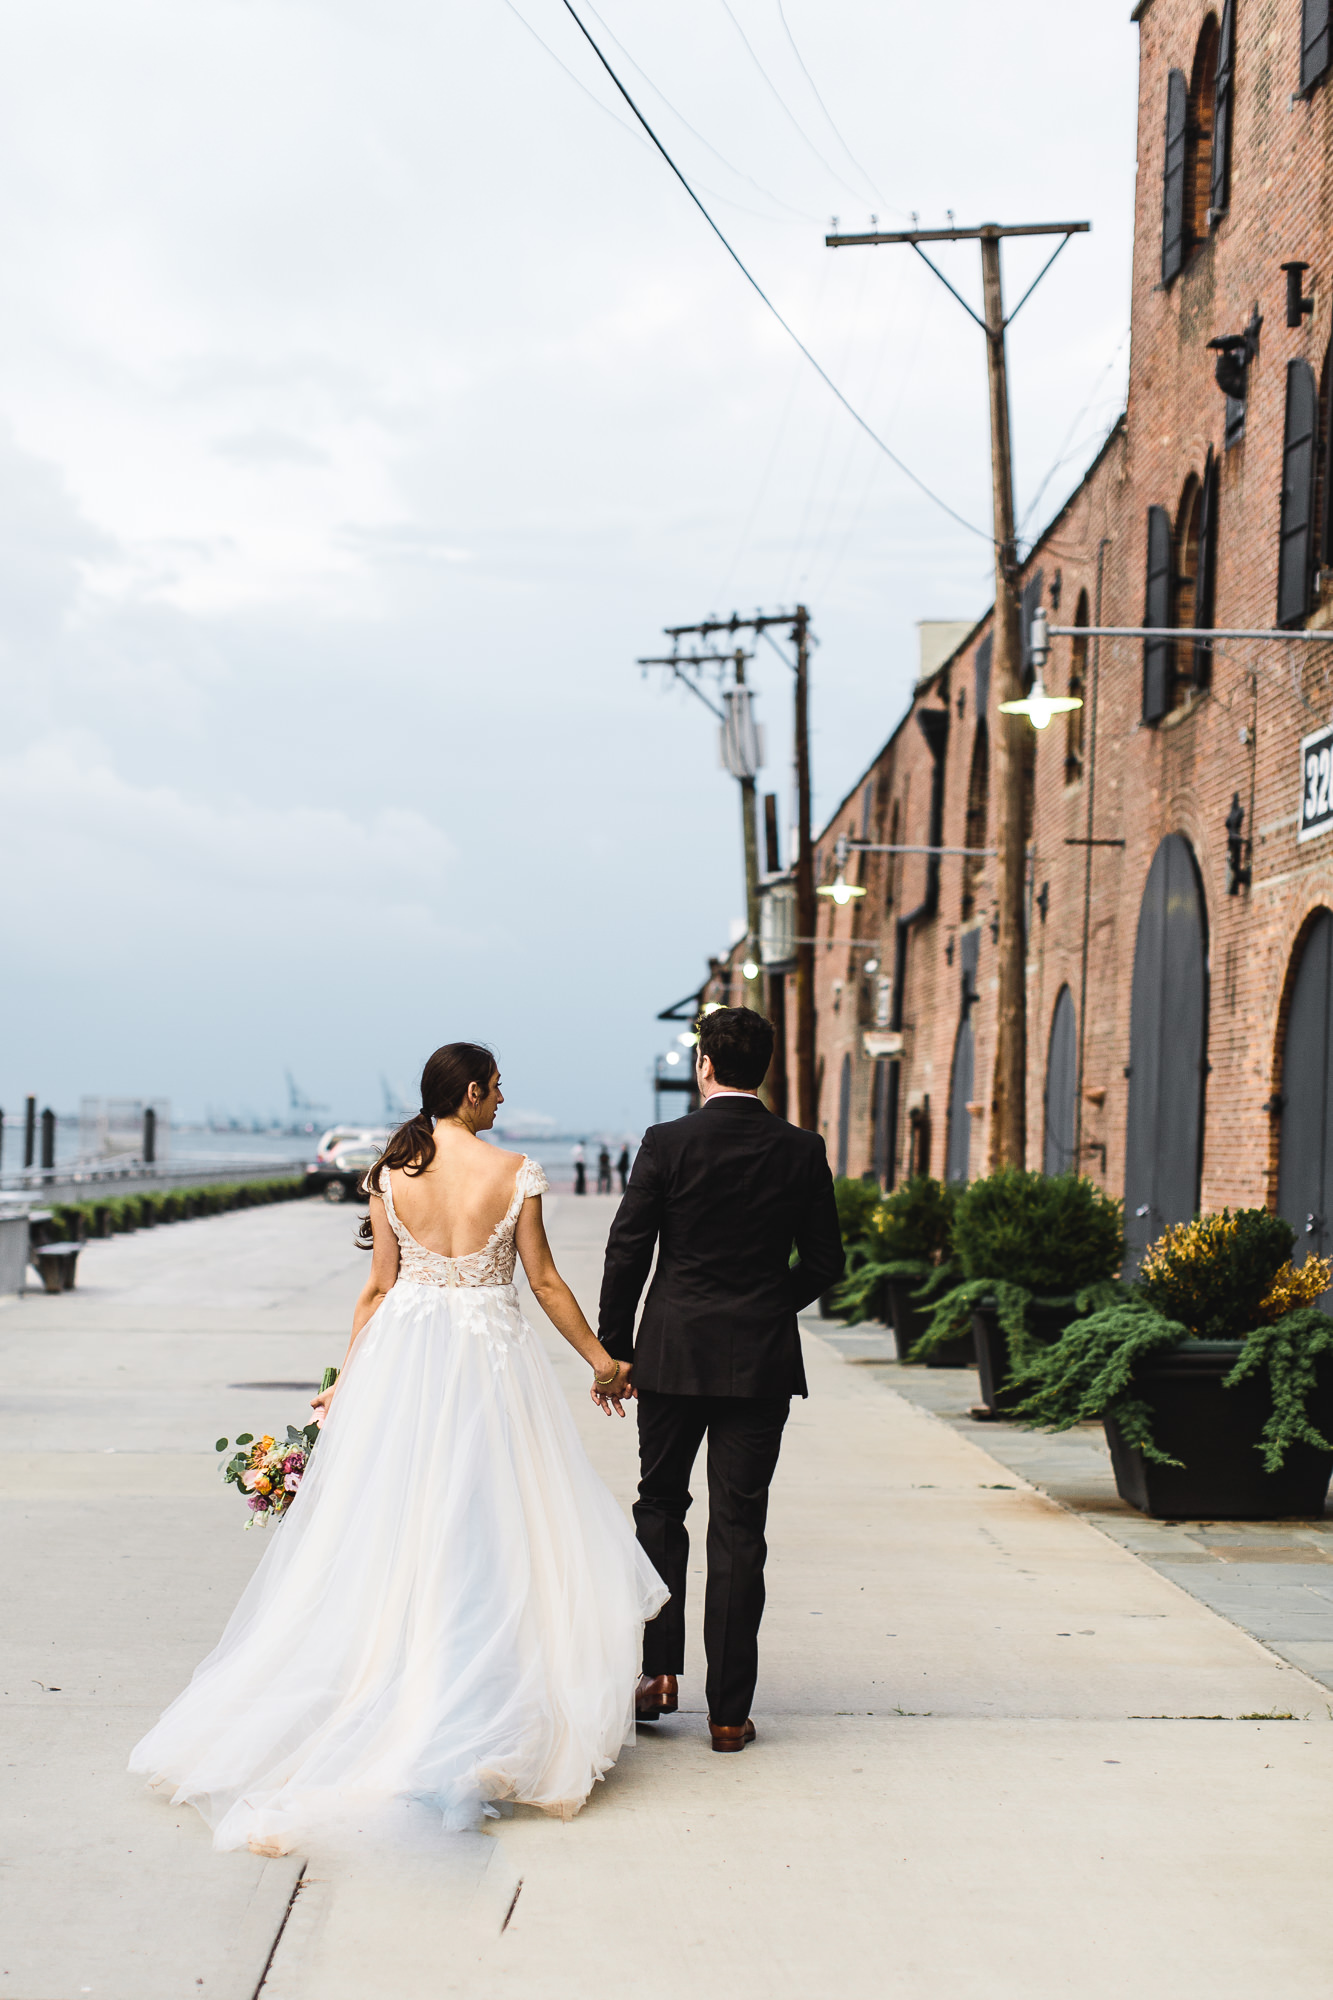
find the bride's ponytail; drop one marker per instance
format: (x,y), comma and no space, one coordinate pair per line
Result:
(444,1085)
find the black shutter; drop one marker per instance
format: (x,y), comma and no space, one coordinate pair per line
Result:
(1295,540)
(1031,598)
(1220,179)
(1157,611)
(1326,532)
(1173,184)
(1316,40)
(981,667)
(1205,589)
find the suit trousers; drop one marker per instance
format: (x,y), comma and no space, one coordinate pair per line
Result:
(744,1438)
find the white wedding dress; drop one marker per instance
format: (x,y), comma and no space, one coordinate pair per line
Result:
(452,1610)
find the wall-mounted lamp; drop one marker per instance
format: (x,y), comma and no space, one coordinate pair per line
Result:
(1037,705)
(1298,305)
(840,889)
(749,970)
(1238,871)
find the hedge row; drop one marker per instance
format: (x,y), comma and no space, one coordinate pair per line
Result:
(74,1221)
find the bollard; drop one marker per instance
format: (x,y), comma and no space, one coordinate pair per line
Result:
(29,1131)
(48,1137)
(149,1136)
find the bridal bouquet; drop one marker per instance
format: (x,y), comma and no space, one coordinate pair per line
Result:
(267,1473)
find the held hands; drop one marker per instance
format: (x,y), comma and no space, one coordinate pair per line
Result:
(323,1402)
(613,1394)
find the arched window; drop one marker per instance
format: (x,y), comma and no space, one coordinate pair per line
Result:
(891,871)
(1057,1152)
(974,825)
(1305,1153)
(1196,165)
(1078,687)
(1168,1039)
(1199,134)
(1185,595)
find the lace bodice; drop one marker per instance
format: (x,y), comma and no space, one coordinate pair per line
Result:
(492,1266)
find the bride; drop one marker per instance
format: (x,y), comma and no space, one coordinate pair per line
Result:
(452,1610)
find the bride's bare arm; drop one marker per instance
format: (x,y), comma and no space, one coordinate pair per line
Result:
(382,1279)
(562,1308)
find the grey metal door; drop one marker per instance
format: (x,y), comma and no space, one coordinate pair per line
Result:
(844,1113)
(958,1148)
(1168,1035)
(1305,1157)
(1057,1153)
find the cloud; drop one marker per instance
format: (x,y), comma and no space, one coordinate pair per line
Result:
(135,865)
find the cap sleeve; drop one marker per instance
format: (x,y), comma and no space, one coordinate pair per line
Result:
(534,1180)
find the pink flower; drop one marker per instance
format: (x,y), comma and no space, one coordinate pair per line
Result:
(292,1481)
(294,1462)
(258,1503)
(248,1478)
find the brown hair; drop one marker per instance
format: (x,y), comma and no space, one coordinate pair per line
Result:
(444,1085)
(740,1045)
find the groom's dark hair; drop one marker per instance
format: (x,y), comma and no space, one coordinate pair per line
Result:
(739,1044)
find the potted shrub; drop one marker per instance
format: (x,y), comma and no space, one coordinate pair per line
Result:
(906,1240)
(1030,1252)
(857,1201)
(1212,1374)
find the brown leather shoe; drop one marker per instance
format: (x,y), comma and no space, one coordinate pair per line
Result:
(656,1695)
(730,1735)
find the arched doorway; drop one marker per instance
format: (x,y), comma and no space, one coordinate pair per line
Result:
(1057,1153)
(844,1113)
(957,1151)
(1305,1157)
(1168,1038)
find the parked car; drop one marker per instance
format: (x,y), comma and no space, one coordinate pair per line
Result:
(339,1177)
(339,1136)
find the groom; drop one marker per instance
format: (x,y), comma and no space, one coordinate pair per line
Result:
(723,1195)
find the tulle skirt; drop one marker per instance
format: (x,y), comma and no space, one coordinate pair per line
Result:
(452,1610)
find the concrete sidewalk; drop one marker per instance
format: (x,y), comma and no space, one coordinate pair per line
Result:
(987,1762)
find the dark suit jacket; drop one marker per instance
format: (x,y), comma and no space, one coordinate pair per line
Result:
(723,1193)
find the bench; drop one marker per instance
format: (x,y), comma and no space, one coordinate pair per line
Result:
(55,1265)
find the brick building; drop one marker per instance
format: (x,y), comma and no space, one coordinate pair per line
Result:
(1180,983)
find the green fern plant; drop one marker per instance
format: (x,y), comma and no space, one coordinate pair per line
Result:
(1024,1239)
(1219,1277)
(905,1239)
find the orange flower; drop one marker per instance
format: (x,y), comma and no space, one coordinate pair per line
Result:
(263,1486)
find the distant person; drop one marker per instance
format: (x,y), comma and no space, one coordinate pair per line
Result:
(721,1199)
(580,1168)
(604,1171)
(453,1608)
(622,1168)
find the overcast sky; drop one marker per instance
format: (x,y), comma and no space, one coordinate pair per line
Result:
(371,395)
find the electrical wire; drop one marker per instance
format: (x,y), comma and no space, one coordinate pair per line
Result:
(657,91)
(786,109)
(829,117)
(639,140)
(755,286)
(1062,456)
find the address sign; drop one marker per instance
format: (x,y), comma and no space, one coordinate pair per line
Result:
(1316,784)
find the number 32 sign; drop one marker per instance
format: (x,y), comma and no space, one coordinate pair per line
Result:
(1316,784)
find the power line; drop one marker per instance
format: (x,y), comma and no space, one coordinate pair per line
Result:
(721,157)
(1061,458)
(786,109)
(829,115)
(620,124)
(755,285)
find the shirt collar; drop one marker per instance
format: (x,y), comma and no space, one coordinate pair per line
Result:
(713,1095)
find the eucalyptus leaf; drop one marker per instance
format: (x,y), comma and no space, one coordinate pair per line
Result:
(246,1437)
(222,1444)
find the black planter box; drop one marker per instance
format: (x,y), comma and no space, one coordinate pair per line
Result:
(909,1322)
(1214,1431)
(991,1344)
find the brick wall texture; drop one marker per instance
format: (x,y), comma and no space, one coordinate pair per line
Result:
(1236,737)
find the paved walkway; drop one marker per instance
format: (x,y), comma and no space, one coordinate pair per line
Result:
(976,1776)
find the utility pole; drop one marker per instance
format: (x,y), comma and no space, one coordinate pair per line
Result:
(797,623)
(1009,1091)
